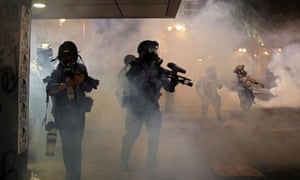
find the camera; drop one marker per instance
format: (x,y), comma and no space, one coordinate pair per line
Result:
(93,83)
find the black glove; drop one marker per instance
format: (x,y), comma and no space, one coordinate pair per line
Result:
(173,84)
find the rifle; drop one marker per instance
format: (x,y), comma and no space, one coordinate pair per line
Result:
(172,74)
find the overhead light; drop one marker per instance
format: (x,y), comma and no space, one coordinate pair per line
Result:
(62,21)
(39,5)
(243,50)
(169,28)
(180,27)
(45,46)
(266,53)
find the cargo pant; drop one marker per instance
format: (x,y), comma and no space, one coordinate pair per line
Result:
(133,122)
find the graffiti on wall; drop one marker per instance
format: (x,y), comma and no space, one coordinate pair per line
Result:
(9,44)
(23,93)
(14,66)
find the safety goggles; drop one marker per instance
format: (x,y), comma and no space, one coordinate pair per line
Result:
(68,54)
(153,49)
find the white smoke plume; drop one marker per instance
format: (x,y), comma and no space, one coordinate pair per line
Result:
(212,37)
(285,66)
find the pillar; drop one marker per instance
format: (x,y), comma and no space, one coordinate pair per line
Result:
(15,18)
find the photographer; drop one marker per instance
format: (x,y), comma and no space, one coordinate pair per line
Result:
(145,80)
(39,69)
(67,86)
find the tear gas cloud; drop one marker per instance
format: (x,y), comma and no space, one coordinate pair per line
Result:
(286,67)
(212,37)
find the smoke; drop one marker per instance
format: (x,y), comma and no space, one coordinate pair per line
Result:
(212,37)
(285,66)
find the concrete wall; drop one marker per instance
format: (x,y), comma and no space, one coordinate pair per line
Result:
(15,18)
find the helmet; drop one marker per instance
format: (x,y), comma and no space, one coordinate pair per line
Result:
(210,70)
(67,48)
(240,70)
(129,58)
(147,45)
(240,67)
(44,55)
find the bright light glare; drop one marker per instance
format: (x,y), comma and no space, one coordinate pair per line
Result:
(169,28)
(279,49)
(62,21)
(180,28)
(210,57)
(242,50)
(39,5)
(266,53)
(45,46)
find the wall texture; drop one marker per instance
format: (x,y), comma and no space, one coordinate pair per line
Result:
(14,72)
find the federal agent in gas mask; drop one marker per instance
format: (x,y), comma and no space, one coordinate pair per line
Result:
(145,80)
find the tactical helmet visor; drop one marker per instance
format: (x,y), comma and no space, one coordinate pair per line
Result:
(67,53)
(153,49)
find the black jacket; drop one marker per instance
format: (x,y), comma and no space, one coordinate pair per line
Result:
(146,79)
(61,102)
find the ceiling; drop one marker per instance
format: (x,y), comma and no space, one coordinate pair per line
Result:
(76,9)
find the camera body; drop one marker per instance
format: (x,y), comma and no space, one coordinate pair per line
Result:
(91,82)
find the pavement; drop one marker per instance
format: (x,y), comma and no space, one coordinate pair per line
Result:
(261,144)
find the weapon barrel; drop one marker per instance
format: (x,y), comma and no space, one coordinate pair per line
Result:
(176,68)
